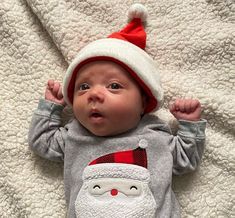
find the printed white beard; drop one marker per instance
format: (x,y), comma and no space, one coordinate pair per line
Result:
(88,206)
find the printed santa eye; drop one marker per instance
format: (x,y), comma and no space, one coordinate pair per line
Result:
(95,189)
(96,186)
(133,188)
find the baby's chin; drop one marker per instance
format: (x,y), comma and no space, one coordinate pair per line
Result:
(110,132)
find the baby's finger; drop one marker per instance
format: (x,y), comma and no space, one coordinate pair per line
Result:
(177,104)
(182,105)
(195,103)
(50,84)
(188,106)
(56,88)
(60,95)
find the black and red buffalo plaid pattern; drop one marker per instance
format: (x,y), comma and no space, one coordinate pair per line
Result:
(137,156)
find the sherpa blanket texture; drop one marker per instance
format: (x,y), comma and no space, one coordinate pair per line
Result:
(191,41)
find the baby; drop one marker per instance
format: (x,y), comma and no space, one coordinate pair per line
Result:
(115,153)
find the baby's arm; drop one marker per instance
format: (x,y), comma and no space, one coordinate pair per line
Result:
(188,146)
(46,134)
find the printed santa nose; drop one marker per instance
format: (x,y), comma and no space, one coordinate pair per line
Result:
(114,192)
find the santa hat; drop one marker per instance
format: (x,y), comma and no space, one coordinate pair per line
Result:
(125,48)
(131,164)
(137,156)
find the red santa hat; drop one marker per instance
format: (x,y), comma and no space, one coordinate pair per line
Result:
(125,48)
(137,156)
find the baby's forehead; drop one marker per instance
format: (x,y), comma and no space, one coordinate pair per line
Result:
(102,68)
(101,64)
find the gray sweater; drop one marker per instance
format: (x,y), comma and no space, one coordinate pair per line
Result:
(77,147)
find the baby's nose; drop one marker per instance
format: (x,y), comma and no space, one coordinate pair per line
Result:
(96,94)
(114,192)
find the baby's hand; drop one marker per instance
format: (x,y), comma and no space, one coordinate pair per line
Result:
(186,109)
(54,93)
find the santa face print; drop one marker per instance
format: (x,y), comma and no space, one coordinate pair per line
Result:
(107,101)
(105,198)
(115,190)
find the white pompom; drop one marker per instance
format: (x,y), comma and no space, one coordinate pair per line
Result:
(138,11)
(143,143)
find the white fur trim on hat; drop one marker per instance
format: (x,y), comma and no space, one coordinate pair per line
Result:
(116,170)
(132,56)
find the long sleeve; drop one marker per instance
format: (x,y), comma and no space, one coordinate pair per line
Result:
(188,146)
(46,135)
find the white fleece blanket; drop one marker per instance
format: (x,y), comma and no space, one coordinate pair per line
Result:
(192,42)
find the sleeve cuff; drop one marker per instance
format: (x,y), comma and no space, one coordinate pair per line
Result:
(49,108)
(192,128)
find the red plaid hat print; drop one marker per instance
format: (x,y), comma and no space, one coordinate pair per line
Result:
(137,156)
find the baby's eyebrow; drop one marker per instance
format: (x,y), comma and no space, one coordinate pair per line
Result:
(82,79)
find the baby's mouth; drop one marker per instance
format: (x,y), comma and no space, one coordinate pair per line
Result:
(95,114)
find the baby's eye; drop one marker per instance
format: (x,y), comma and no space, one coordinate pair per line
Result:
(115,86)
(83,87)
(96,186)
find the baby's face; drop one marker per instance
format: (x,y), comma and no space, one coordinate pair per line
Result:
(107,101)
